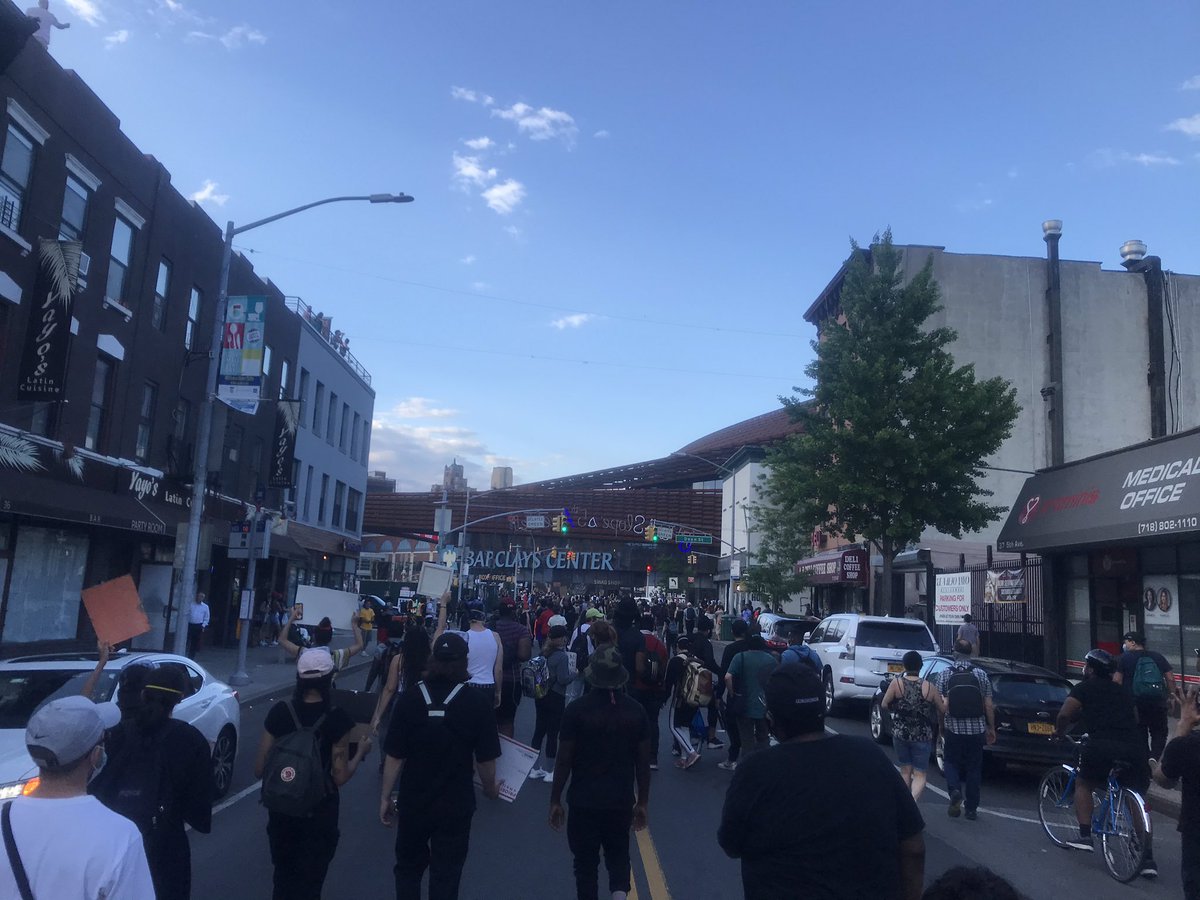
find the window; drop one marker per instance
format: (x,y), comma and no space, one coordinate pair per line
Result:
(74,211)
(339,497)
(285,379)
(331,422)
(193,319)
(16,167)
(307,491)
(98,412)
(266,361)
(321,502)
(345,429)
(145,429)
(256,465)
(894,636)
(43,417)
(365,449)
(303,397)
(118,261)
(183,412)
(178,461)
(158,315)
(318,409)
(354,431)
(353,507)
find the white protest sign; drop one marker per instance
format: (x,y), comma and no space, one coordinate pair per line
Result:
(512,768)
(320,602)
(434,580)
(953,598)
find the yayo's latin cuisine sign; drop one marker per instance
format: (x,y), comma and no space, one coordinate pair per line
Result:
(540,559)
(1150,489)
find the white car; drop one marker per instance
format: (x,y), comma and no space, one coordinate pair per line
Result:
(28,682)
(858,651)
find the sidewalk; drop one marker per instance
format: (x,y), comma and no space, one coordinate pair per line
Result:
(270,671)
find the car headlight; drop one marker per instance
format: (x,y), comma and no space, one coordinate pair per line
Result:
(19,788)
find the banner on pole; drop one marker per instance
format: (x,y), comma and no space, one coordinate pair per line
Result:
(283,454)
(48,340)
(239,383)
(1004,586)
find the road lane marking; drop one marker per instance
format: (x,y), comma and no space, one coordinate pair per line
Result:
(240,795)
(656,880)
(982,809)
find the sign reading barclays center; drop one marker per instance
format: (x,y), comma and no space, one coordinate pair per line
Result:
(1148,490)
(540,559)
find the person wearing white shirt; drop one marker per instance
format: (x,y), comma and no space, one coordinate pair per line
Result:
(59,842)
(197,625)
(46,20)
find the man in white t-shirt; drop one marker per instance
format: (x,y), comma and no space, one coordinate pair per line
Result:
(68,844)
(46,20)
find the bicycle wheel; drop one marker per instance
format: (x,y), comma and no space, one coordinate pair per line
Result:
(1056,805)
(1125,836)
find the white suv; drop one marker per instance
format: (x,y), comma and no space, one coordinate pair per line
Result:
(858,651)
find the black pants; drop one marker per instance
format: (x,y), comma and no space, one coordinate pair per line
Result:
(195,636)
(653,706)
(752,734)
(1152,722)
(429,839)
(549,718)
(589,830)
(301,851)
(735,738)
(1190,864)
(964,765)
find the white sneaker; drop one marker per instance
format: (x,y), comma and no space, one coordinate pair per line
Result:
(548,777)
(537,774)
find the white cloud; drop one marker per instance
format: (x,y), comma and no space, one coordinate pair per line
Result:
(87,10)
(1107,158)
(1192,84)
(468,170)
(480,143)
(514,232)
(505,197)
(117,37)
(1151,159)
(602,133)
(173,5)
(480,286)
(540,124)
(1189,126)
(420,408)
(470,96)
(468,260)
(240,35)
(576,320)
(208,194)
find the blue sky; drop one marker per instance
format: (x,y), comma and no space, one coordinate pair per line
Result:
(623,209)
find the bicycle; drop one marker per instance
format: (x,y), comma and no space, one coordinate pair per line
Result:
(1120,816)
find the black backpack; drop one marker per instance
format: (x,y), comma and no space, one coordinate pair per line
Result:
(964,699)
(579,647)
(294,780)
(133,783)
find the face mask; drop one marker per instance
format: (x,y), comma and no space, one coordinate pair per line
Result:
(99,765)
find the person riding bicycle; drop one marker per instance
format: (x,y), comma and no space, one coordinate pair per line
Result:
(1109,719)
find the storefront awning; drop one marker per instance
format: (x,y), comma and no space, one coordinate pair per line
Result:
(317,539)
(47,498)
(1146,491)
(837,567)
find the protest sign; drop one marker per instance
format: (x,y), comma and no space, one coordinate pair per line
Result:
(512,768)
(116,610)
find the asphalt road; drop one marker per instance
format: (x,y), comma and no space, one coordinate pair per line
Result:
(515,856)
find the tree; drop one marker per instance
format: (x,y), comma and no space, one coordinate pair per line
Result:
(895,435)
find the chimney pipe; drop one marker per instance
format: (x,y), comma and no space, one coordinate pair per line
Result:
(1134,258)
(1053,392)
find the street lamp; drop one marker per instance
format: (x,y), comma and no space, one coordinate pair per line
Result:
(187,592)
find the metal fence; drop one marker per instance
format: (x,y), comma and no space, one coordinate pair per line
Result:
(1006,630)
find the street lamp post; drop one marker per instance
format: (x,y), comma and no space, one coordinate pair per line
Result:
(187,586)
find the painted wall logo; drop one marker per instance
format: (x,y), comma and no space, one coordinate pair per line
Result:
(1037,508)
(1029,508)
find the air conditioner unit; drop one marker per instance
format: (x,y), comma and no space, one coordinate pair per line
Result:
(85,263)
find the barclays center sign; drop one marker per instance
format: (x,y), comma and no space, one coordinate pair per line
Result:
(540,559)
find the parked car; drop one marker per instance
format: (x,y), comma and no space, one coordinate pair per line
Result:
(1027,699)
(856,651)
(28,682)
(776,629)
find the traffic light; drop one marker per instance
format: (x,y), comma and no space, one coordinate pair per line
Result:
(570,556)
(554,554)
(558,523)
(649,568)
(651,533)
(563,527)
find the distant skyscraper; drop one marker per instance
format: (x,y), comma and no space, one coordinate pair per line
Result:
(453,480)
(379,483)
(502,477)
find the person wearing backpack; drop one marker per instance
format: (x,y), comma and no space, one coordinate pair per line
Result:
(441,732)
(689,618)
(553,700)
(800,653)
(303,758)
(1148,676)
(748,673)
(159,776)
(681,672)
(969,722)
(517,644)
(914,704)
(648,683)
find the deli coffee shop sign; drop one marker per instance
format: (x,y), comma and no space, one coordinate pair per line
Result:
(1144,491)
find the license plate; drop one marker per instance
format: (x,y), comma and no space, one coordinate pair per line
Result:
(895,668)
(1040,728)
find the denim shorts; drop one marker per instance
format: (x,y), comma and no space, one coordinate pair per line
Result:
(913,753)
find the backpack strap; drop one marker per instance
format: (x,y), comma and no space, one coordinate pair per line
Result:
(296,718)
(429,710)
(14,857)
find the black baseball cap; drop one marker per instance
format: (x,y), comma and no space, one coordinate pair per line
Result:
(1136,636)
(449,648)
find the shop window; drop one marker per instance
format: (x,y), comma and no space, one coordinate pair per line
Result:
(1161,611)
(1077,565)
(1158,559)
(1079,621)
(47,576)
(1189,557)
(1189,618)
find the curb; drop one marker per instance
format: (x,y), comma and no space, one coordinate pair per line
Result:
(1166,802)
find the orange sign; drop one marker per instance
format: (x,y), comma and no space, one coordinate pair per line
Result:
(116,610)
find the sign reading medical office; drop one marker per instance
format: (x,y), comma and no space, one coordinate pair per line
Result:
(539,559)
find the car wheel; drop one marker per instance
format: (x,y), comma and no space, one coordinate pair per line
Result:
(939,752)
(830,699)
(879,729)
(223,756)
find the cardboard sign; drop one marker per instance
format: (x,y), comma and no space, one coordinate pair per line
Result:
(434,580)
(512,768)
(116,610)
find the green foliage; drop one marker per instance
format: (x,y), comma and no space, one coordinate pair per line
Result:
(895,434)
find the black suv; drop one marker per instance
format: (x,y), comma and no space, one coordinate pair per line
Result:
(1027,699)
